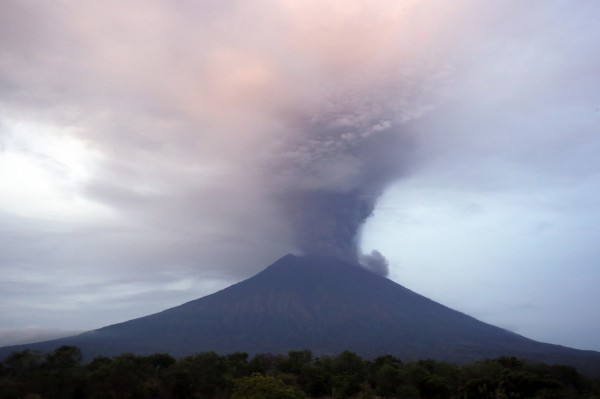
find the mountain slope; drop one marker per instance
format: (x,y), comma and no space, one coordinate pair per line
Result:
(325,305)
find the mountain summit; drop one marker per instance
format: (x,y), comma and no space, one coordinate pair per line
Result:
(323,304)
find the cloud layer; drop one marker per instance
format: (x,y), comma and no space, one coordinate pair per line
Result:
(173,147)
(189,110)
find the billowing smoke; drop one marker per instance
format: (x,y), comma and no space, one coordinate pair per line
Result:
(337,163)
(375,262)
(223,131)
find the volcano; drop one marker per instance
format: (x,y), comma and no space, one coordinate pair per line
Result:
(322,304)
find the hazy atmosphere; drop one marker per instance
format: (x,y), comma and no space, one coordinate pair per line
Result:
(152,152)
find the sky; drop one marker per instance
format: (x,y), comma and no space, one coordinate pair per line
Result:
(153,152)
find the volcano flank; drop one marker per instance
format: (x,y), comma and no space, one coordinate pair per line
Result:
(322,304)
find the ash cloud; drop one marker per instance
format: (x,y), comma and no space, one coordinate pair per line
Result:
(375,262)
(340,153)
(206,139)
(294,128)
(329,188)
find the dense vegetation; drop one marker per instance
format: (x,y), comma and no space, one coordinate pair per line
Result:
(61,374)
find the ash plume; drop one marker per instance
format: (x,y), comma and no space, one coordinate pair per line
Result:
(375,262)
(336,165)
(294,129)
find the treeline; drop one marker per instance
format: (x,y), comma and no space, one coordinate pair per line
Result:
(62,374)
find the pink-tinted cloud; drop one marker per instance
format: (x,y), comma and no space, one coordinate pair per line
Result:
(220,135)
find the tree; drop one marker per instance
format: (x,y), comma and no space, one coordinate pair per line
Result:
(386,380)
(263,362)
(236,364)
(62,373)
(385,375)
(63,359)
(160,361)
(315,377)
(348,374)
(22,363)
(259,386)
(295,361)
(203,374)
(124,376)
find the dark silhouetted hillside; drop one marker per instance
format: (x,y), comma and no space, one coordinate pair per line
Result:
(325,305)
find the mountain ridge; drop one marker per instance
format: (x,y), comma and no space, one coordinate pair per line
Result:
(323,304)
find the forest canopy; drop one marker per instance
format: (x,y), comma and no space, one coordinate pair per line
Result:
(299,374)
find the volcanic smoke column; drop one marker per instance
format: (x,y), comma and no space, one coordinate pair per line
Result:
(328,223)
(331,173)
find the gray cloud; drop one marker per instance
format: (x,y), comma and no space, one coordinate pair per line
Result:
(233,118)
(32,334)
(327,182)
(216,137)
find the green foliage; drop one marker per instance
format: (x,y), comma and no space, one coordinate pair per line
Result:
(22,363)
(61,374)
(259,386)
(263,362)
(385,375)
(123,376)
(348,373)
(514,378)
(295,361)
(63,359)
(203,374)
(315,378)
(237,364)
